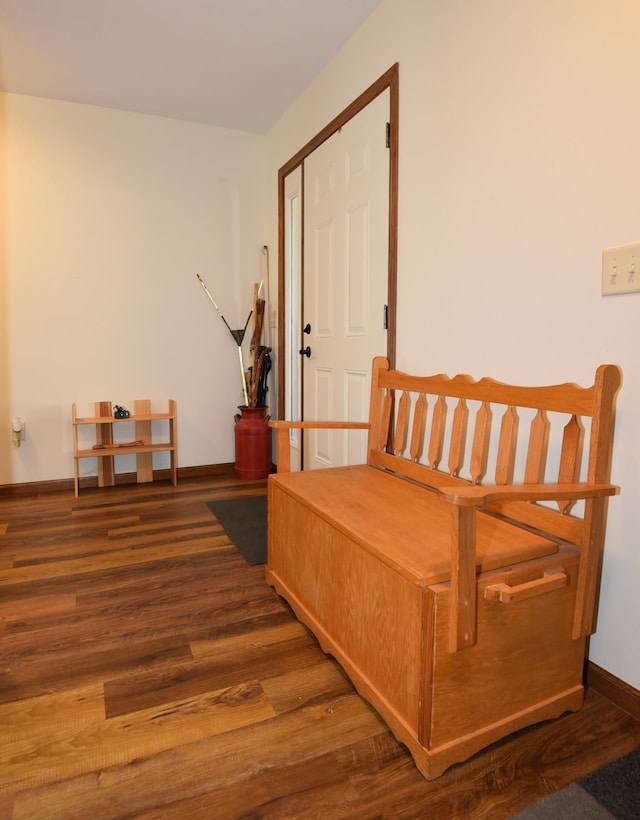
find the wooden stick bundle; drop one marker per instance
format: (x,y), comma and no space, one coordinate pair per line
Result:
(258,354)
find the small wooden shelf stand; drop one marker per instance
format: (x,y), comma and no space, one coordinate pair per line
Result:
(107,449)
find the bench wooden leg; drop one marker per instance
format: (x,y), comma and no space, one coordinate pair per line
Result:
(463,578)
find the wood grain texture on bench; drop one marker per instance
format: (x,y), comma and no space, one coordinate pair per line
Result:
(455,575)
(361,503)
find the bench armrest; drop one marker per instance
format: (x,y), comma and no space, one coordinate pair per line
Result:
(464,501)
(476,495)
(283,452)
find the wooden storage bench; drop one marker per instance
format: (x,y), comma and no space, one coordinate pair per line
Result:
(460,611)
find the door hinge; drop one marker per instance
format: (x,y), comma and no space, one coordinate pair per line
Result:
(388,135)
(385,317)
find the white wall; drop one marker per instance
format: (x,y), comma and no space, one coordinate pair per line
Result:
(5,444)
(519,163)
(107,218)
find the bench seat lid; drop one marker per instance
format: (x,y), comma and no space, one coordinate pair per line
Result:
(406,525)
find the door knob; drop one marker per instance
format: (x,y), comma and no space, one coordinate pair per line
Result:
(306,351)
(307,328)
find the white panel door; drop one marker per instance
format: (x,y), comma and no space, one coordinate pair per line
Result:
(346,225)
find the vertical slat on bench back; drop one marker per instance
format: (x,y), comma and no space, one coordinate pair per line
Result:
(458,437)
(402,422)
(507,447)
(480,448)
(538,449)
(417,434)
(436,441)
(571,457)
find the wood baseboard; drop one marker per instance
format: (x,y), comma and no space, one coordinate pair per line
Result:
(614,689)
(36,488)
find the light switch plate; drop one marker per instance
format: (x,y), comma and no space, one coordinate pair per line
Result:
(621,270)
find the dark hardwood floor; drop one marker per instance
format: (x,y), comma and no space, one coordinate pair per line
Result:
(146,671)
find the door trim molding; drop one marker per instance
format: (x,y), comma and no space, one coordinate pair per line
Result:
(391,80)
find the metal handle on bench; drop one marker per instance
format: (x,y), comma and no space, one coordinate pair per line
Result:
(505,594)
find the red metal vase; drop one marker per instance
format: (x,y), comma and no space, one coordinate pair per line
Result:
(253,442)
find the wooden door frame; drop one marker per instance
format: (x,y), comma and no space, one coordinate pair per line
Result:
(391,80)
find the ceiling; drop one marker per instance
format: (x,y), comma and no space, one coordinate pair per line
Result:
(231,63)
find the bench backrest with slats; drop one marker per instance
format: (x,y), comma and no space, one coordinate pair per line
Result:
(440,431)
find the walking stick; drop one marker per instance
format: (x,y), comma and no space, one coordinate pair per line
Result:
(238,336)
